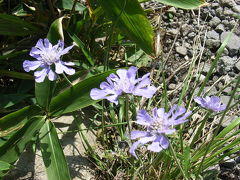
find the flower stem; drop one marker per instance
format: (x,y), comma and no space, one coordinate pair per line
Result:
(126,112)
(103,120)
(69,82)
(177,161)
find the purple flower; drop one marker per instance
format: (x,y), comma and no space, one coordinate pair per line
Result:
(157,127)
(213,103)
(46,55)
(124,82)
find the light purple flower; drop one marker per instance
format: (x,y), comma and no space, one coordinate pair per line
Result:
(46,55)
(213,103)
(124,82)
(157,127)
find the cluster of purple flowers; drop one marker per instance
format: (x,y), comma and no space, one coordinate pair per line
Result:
(158,125)
(124,82)
(46,55)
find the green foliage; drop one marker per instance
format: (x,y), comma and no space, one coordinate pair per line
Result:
(14,74)
(9,100)
(55,32)
(20,116)
(43,92)
(4,167)
(52,153)
(83,47)
(130,18)
(14,26)
(184,4)
(67,5)
(11,150)
(76,97)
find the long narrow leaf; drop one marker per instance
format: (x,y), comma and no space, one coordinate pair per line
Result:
(17,117)
(83,47)
(52,153)
(76,97)
(11,150)
(184,4)
(130,18)
(14,26)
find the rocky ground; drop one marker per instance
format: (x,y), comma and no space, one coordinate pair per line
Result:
(184,34)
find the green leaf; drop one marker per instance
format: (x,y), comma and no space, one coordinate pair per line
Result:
(67,5)
(186,161)
(76,97)
(218,141)
(63,84)
(14,74)
(130,18)
(14,26)
(14,146)
(139,59)
(13,54)
(184,4)
(8,100)
(82,46)
(44,92)
(56,31)
(4,167)
(52,153)
(13,119)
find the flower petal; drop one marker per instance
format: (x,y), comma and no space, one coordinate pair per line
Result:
(198,100)
(164,142)
(143,118)
(138,134)
(47,44)
(146,92)
(52,75)
(68,63)
(96,94)
(31,65)
(161,113)
(66,50)
(133,148)
(160,143)
(40,75)
(141,141)
(40,45)
(60,68)
(122,73)
(155,147)
(131,73)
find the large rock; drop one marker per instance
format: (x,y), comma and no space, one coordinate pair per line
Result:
(237,66)
(220,28)
(214,22)
(213,35)
(181,50)
(233,44)
(226,64)
(228,3)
